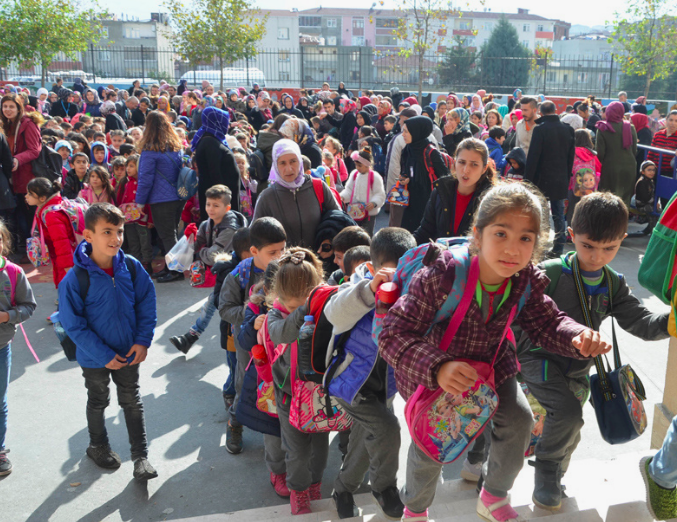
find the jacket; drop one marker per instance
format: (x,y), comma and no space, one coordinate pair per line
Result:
(520,157)
(138,117)
(284,329)
(523,136)
(451,141)
(550,159)
(27,144)
(619,165)
(298,210)
(23,307)
(214,239)
(154,187)
(73,185)
(223,266)
(216,165)
(235,292)
(496,153)
(64,109)
(57,231)
(113,122)
(117,312)
(645,189)
(6,164)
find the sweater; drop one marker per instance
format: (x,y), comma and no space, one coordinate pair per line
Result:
(356,189)
(24,303)
(661,140)
(523,136)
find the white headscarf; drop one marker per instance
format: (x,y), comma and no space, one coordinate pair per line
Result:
(281,148)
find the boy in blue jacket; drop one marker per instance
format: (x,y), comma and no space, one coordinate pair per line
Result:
(495,145)
(107,307)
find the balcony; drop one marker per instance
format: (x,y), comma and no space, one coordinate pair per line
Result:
(463,32)
(545,35)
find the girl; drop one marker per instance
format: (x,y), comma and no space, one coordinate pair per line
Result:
(99,189)
(137,230)
(359,190)
(585,163)
(334,146)
(248,186)
(508,236)
(306,454)
(17,304)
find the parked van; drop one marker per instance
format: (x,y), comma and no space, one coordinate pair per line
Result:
(232,77)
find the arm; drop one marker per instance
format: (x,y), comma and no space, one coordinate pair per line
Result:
(60,232)
(248,334)
(201,236)
(24,301)
(285,330)
(330,202)
(634,140)
(394,165)
(222,244)
(231,306)
(600,146)
(261,209)
(349,305)
(636,319)
(145,306)
(438,164)
(33,143)
(146,177)
(377,194)
(571,154)
(345,193)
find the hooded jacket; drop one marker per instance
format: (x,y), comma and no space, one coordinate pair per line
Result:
(520,157)
(57,231)
(117,313)
(215,239)
(106,157)
(27,147)
(154,187)
(496,153)
(73,185)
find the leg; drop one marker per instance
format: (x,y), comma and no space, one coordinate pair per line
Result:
(476,453)
(5,366)
(206,314)
(229,385)
(129,397)
(133,240)
(318,456)
(344,438)
(98,398)
(166,220)
(368,225)
(356,461)
(557,209)
(144,240)
(243,357)
(423,474)
(396,214)
(298,447)
(663,467)
(274,454)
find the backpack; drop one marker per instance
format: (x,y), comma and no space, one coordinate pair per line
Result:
(186,182)
(48,164)
(428,162)
(75,210)
(13,271)
(319,193)
(379,159)
(257,166)
(582,171)
(553,269)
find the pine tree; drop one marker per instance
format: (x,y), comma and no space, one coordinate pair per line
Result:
(505,61)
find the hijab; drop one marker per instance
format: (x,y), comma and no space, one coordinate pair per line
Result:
(453,100)
(97,100)
(280,148)
(479,106)
(348,106)
(464,120)
(297,131)
(640,121)
(364,101)
(107,108)
(372,110)
(429,111)
(411,100)
(614,114)
(64,94)
(503,110)
(420,129)
(214,121)
(515,93)
(365,116)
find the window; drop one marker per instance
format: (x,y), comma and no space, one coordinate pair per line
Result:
(283,56)
(284,76)
(582,77)
(465,25)
(551,77)
(525,43)
(331,40)
(283,33)
(104,56)
(331,22)
(358,41)
(469,41)
(539,27)
(526,28)
(386,22)
(358,23)
(130,32)
(566,78)
(104,32)
(384,39)
(310,21)
(488,26)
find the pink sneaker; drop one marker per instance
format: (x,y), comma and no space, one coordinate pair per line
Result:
(410,516)
(279,483)
(315,491)
(300,502)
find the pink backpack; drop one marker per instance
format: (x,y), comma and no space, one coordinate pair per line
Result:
(75,210)
(13,274)
(265,390)
(443,424)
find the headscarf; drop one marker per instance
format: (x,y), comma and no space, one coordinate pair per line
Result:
(298,131)
(78,81)
(420,129)
(514,94)
(365,116)
(433,105)
(64,94)
(364,100)
(348,106)
(481,93)
(638,108)
(640,121)
(187,121)
(641,100)
(479,106)
(503,110)
(280,148)
(41,90)
(464,120)
(215,122)
(101,89)
(614,114)
(209,100)
(411,100)
(518,113)
(385,103)
(97,99)
(453,100)
(372,110)
(284,107)
(107,108)
(540,97)
(429,111)
(417,109)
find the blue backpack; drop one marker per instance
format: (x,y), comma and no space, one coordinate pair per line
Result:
(186,182)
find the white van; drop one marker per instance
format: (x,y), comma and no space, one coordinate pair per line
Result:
(232,77)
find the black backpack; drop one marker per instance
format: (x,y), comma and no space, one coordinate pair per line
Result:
(257,166)
(48,164)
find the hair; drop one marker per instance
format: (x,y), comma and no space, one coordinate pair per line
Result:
(477,114)
(582,139)
(79,138)
(367,130)
(241,241)
(99,136)
(671,113)
(389,245)
(279,120)
(365,152)
(548,107)
(262,292)
(334,143)
(509,196)
(67,127)
(103,211)
(119,161)
(117,132)
(219,192)
(528,100)
(300,271)
(499,118)
(127,148)
(645,165)
(496,132)
(104,176)
(582,107)
(266,231)
(314,120)
(480,147)
(42,187)
(79,155)
(8,125)
(307,165)
(6,238)
(350,237)
(326,155)
(390,119)
(134,158)
(354,257)
(601,216)
(159,135)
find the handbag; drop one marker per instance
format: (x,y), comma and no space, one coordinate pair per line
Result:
(398,195)
(616,394)
(358,211)
(36,250)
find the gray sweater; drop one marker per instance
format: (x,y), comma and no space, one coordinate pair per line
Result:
(233,301)
(21,311)
(284,330)
(213,240)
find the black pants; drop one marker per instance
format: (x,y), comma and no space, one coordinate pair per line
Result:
(166,217)
(22,219)
(126,380)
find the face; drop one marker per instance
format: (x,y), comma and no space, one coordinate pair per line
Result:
(505,246)
(10,110)
(383,108)
(79,147)
(216,208)
(268,253)
(622,98)
(670,124)
(64,152)
(95,181)
(442,109)
(53,97)
(243,143)
(513,164)
(338,259)
(106,239)
(162,104)
(406,135)
(491,120)
(119,172)
(241,164)
(251,104)
(589,181)
(288,167)
(43,97)
(117,141)
(469,170)
(476,119)
(143,106)
(99,155)
(329,107)
(219,103)
(593,255)
(388,126)
(136,133)
(154,90)
(172,91)
(265,102)
(528,111)
(90,96)
(209,90)
(514,119)
(33,200)
(649,172)
(292,303)
(288,103)
(80,165)
(113,97)
(360,120)
(131,169)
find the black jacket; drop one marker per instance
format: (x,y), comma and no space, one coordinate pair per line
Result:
(347,131)
(551,157)
(72,186)
(138,117)
(114,122)
(6,194)
(451,141)
(216,165)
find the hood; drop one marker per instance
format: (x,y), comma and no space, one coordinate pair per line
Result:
(105,149)
(491,143)
(84,250)
(228,264)
(233,219)
(332,223)
(585,154)
(518,155)
(361,272)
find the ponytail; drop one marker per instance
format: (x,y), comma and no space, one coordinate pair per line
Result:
(42,187)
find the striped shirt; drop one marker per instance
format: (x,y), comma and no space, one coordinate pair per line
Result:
(661,140)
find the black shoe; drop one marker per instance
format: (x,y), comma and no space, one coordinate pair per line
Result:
(160,273)
(389,502)
(234,439)
(228,400)
(5,464)
(171,276)
(143,470)
(184,342)
(345,504)
(548,487)
(104,457)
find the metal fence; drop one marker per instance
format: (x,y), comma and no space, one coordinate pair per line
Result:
(357,67)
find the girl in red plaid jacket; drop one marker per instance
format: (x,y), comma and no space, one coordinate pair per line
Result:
(508,234)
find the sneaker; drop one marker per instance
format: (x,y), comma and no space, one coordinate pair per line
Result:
(409,516)
(228,400)
(170,276)
(661,502)
(471,472)
(315,491)
(234,439)
(104,456)
(547,484)
(300,502)
(279,483)
(345,504)
(5,464)
(184,342)
(389,502)
(143,470)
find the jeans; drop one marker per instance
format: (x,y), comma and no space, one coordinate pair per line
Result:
(126,380)
(138,242)
(229,385)
(206,314)
(557,209)
(166,217)
(663,466)
(5,366)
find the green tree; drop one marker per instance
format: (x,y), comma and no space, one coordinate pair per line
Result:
(505,61)
(459,66)
(225,30)
(646,33)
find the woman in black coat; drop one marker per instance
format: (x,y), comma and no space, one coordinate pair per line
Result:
(304,107)
(7,201)
(456,129)
(64,107)
(113,120)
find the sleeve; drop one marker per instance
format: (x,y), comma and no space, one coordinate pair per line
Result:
(33,144)
(634,140)
(24,299)
(518,143)
(69,190)
(6,159)
(377,193)
(427,230)
(222,244)
(261,209)
(248,335)
(146,177)
(201,237)
(571,155)
(231,178)
(347,306)
(394,162)
(533,156)
(636,319)
(439,167)
(231,306)
(285,330)
(145,306)
(348,189)
(60,231)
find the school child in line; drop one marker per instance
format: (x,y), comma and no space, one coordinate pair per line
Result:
(508,235)
(248,186)
(65,151)
(644,198)
(364,186)
(119,167)
(366,386)
(117,138)
(99,189)
(75,179)
(353,258)
(518,162)
(334,147)
(495,145)
(329,162)
(100,155)
(348,238)
(559,383)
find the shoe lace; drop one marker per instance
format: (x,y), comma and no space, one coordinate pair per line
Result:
(303,500)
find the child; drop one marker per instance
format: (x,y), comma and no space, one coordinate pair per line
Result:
(214,237)
(518,161)
(329,162)
(100,155)
(389,125)
(645,191)
(127,149)
(367,395)
(315,121)
(353,258)
(119,166)
(248,186)
(75,179)
(65,150)
(117,138)
(476,118)
(99,189)
(597,230)
(111,341)
(334,147)
(585,172)
(13,311)
(306,454)
(268,240)
(495,145)
(508,234)
(364,187)
(346,239)
(660,479)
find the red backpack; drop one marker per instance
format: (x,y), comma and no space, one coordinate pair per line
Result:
(319,192)
(428,161)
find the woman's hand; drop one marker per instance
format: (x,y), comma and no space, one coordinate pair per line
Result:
(404,181)
(456,377)
(15,164)
(450,126)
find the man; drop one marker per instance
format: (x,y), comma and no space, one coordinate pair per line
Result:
(56,87)
(550,162)
(525,127)
(665,139)
(623,98)
(172,91)
(329,118)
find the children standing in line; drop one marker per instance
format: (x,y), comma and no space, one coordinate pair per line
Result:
(334,147)
(99,189)
(119,166)
(248,186)
(645,193)
(348,238)
(75,179)
(364,187)
(508,234)
(117,138)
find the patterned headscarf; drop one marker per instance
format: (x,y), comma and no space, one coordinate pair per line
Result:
(453,100)
(348,106)
(514,94)
(464,119)
(209,101)
(282,147)
(214,121)
(107,108)
(297,130)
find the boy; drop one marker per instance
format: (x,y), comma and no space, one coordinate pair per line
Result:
(389,124)
(561,384)
(343,241)
(110,341)
(214,237)
(99,154)
(117,138)
(75,179)
(127,149)
(353,258)
(366,386)
(517,160)
(118,166)
(268,240)
(315,121)
(65,150)
(495,145)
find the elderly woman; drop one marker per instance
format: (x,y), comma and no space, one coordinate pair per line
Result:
(113,119)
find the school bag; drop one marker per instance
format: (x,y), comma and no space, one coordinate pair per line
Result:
(379,159)
(186,182)
(48,164)
(13,271)
(358,210)
(319,193)
(428,162)
(75,210)
(257,166)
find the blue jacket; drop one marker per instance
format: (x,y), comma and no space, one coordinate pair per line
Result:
(116,314)
(248,335)
(154,187)
(496,153)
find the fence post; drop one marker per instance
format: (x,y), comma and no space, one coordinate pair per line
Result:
(481,69)
(545,76)
(611,73)
(360,69)
(302,72)
(248,84)
(91,51)
(143,68)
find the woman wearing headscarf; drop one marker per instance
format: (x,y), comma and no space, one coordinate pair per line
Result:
(113,120)
(291,197)
(456,129)
(288,107)
(78,86)
(364,101)
(181,87)
(300,132)
(418,152)
(163,104)
(516,95)
(304,107)
(430,113)
(644,135)
(384,109)
(361,119)
(78,101)
(476,104)
(348,123)
(92,103)
(343,91)
(43,102)
(64,107)
(253,114)
(215,161)
(616,148)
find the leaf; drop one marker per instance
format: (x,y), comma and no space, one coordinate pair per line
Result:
(75,484)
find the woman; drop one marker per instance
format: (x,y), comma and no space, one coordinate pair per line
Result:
(429,112)
(617,149)
(158,171)
(136,85)
(516,96)
(113,120)
(493,118)
(291,198)
(301,133)
(414,168)
(456,129)
(644,135)
(64,107)
(348,123)
(43,102)
(304,107)
(254,115)
(476,104)
(342,90)
(384,109)
(215,161)
(92,104)
(288,107)
(163,104)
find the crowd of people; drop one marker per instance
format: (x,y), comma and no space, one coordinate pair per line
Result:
(288,194)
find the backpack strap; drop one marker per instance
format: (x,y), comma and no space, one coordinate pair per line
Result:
(13,273)
(319,192)
(553,269)
(428,162)
(82,276)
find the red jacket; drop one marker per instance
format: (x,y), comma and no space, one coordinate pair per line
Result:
(129,206)
(57,231)
(26,148)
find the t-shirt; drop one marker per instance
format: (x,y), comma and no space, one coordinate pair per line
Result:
(462,202)
(109,271)
(490,298)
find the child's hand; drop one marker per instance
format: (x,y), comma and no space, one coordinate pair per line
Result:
(258,322)
(382,276)
(456,377)
(117,362)
(371,206)
(4,317)
(140,352)
(191,230)
(591,344)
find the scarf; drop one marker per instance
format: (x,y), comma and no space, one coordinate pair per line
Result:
(215,122)
(614,114)
(297,131)
(420,128)
(640,121)
(282,147)
(453,100)
(364,100)
(503,110)
(515,93)
(464,120)
(348,106)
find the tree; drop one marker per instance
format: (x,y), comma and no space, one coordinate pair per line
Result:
(647,33)
(225,30)
(505,61)
(459,66)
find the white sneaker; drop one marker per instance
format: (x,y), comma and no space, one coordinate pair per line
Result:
(471,472)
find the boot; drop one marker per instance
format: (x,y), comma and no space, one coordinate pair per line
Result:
(184,342)
(548,487)
(300,502)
